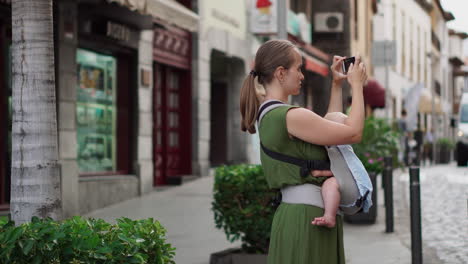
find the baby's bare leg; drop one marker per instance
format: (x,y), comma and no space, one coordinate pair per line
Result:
(331,199)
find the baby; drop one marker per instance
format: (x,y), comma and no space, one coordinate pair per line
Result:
(330,189)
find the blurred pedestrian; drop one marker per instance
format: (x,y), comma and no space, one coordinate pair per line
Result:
(427,149)
(301,134)
(403,128)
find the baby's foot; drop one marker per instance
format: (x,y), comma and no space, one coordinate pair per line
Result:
(326,220)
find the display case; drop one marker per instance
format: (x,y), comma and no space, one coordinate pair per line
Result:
(96,112)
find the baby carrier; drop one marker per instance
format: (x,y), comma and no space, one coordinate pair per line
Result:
(354,183)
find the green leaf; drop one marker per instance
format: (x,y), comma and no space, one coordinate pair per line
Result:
(37,259)
(28,246)
(104,250)
(14,234)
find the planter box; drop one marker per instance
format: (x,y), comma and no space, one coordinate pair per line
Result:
(444,156)
(235,256)
(371,216)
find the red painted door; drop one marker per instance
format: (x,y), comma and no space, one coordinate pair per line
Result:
(158,126)
(170,132)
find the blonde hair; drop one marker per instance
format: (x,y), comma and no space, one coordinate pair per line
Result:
(271,55)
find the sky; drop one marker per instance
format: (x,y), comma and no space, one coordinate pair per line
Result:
(458,9)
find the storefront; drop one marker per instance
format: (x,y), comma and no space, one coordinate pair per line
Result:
(104,63)
(164,148)
(98,89)
(5,105)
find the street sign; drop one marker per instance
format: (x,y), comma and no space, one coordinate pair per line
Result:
(384,53)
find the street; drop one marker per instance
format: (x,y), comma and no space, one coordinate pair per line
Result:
(444,193)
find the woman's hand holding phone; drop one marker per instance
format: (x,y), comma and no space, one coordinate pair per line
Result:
(357,74)
(337,70)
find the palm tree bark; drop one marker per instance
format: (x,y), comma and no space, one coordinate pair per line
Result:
(35,176)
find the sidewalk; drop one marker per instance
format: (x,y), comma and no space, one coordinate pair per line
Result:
(185,212)
(368,244)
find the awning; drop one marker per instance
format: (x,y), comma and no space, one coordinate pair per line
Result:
(374,94)
(315,65)
(419,99)
(169,11)
(425,103)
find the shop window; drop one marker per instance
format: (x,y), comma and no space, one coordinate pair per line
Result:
(96,119)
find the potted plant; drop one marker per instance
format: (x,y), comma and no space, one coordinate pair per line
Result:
(444,146)
(243,207)
(379,140)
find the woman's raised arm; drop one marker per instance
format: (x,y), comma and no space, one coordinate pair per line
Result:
(310,127)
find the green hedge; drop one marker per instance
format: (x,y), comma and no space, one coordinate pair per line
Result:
(243,206)
(446,143)
(79,240)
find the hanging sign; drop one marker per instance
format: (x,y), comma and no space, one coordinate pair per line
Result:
(264,16)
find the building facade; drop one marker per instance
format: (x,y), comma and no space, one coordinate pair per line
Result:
(407,24)
(456,80)
(441,68)
(123,86)
(222,62)
(346,29)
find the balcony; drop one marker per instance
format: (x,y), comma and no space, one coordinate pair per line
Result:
(437,87)
(425,4)
(435,40)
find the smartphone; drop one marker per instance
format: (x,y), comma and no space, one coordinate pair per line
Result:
(346,63)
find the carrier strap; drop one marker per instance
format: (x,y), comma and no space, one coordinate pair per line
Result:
(306,166)
(265,106)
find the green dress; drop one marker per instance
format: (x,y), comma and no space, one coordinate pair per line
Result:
(294,240)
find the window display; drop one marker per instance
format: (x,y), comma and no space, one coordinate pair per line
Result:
(96,111)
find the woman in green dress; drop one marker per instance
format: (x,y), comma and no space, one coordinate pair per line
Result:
(300,133)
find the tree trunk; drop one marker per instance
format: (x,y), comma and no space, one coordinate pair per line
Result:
(35,175)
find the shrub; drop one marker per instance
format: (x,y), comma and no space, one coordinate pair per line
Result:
(379,140)
(79,240)
(445,143)
(244,206)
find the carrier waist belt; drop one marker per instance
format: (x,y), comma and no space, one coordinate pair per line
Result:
(306,166)
(303,194)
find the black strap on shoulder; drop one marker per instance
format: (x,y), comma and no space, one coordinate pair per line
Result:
(260,111)
(306,165)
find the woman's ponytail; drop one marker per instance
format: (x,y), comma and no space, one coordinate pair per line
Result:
(271,55)
(249,104)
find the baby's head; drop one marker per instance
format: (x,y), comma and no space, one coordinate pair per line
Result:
(337,117)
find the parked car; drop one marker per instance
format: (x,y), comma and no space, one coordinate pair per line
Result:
(462,135)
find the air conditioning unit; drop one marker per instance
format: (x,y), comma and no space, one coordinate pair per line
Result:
(328,22)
